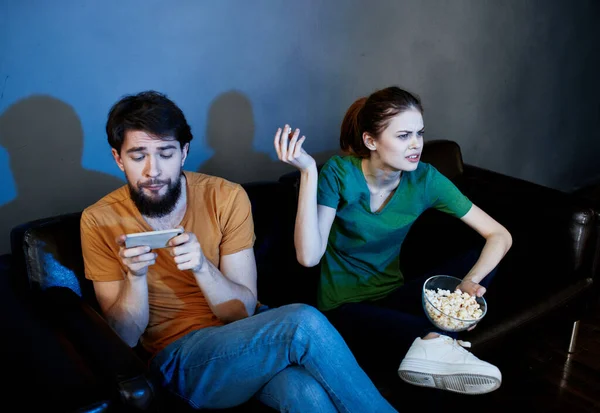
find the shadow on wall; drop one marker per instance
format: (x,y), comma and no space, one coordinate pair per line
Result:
(230,133)
(44,139)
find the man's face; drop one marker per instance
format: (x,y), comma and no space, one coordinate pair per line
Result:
(153,168)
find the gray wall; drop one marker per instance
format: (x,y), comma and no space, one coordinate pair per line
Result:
(515,82)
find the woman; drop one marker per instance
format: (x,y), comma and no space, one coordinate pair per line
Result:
(352,218)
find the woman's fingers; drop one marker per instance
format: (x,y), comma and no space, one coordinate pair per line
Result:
(298,148)
(288,144)
(283,146)
(292,145)
(276,142)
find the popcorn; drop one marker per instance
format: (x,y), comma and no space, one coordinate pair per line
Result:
(457,304)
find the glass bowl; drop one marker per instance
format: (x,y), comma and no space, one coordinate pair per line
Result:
(444,320)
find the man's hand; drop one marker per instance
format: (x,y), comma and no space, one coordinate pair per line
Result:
(136,259)
(187,252)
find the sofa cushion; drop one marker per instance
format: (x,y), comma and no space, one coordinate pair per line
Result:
(281,279)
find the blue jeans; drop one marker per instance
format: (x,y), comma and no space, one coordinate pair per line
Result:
(291,358)
(380,332)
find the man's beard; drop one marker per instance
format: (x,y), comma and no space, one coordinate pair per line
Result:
(160,207)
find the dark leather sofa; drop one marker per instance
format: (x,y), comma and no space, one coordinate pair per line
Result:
(548,277)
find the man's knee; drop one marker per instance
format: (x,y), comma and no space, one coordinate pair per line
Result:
(305,315)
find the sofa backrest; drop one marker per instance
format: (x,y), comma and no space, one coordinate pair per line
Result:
(445,155)
(281,279)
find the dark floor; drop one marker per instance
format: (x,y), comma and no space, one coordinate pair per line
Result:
(539,375)
(549,379)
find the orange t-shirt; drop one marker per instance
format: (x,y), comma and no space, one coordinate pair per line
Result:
(218,213)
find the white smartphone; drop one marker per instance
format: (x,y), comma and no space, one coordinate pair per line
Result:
(152,239)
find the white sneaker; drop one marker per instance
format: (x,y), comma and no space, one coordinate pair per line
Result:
(442,362)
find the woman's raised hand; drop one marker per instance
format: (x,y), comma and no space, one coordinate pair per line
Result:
(289,148)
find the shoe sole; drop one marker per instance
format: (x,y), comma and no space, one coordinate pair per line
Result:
(457,382)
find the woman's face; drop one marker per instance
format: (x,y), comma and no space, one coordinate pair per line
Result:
(399,145)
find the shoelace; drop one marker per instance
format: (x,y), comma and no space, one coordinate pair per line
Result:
(466,344)
(460,344)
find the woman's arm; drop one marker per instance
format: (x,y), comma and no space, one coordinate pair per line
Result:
(313,222)
(497,243)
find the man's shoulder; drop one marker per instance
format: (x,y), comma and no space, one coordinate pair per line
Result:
(105,206)
(199,183)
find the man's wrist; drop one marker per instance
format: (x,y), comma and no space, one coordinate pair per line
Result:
(202,268)
(135,277)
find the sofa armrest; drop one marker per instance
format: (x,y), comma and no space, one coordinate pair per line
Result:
(110,357)
(552,230)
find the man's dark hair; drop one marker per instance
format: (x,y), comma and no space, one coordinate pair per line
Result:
(149,111)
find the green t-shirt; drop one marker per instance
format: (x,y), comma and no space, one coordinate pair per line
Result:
(361,261)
